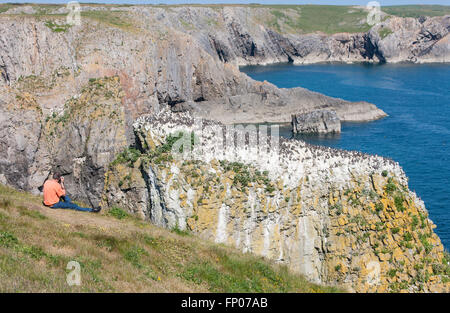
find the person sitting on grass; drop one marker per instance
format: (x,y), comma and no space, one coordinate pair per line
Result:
(55,195)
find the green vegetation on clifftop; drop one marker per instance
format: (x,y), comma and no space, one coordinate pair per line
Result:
(417,10)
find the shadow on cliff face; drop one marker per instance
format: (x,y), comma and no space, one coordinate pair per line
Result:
(79,142)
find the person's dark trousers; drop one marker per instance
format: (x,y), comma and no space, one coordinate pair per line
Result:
(66,203)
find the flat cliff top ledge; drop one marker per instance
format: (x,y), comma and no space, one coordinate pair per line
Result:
(280,157)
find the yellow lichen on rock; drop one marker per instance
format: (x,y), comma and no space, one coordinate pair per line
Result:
(370,234)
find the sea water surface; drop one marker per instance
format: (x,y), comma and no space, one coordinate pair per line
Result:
(416,133)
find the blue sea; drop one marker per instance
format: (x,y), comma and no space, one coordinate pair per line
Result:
(416,133)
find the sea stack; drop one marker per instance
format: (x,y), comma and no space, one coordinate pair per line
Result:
(316,122)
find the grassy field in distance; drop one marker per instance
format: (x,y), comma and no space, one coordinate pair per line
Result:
(417,10)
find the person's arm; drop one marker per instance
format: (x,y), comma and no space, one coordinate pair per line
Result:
(62,184)
(62,191)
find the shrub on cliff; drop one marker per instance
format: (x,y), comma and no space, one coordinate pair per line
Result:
(129,156)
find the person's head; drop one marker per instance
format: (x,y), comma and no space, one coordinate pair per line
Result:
(57,176)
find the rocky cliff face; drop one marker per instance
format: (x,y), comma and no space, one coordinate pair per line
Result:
(70,94)
(421,40)
(249,35)
(316,122)
(337,217)
(69,97)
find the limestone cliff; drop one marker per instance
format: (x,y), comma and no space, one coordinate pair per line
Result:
(69,94)
(265,35)
(337,217)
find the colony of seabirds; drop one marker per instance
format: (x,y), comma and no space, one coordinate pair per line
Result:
(286,146)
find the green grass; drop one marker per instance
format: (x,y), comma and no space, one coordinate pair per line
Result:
(31,213)
(398,201)
(128,157)
(134,254)
(414,222)
(245,174)
(313,18)
(118,19)
(390,187)
(7,239)
(230,273)
(332,19)
(384,32)
(4,7)
(329,19)
(40,9)
(118,213)
(378,207)
(122,255)
(180,232)
(417,10)
(111,18)
(57,28)
(163,153)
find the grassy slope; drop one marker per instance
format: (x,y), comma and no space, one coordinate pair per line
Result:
(122,254)
(417,10)
(4,7)
(324,18)
(329,19)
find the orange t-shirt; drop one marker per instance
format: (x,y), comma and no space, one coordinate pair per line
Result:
(52,192)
